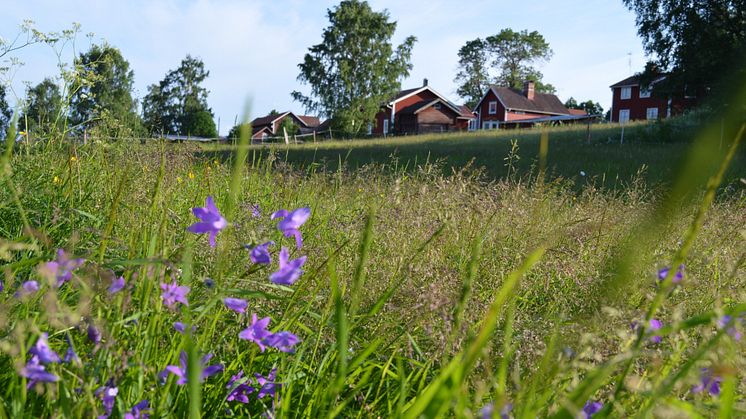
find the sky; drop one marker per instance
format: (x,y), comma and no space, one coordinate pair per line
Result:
(252,47)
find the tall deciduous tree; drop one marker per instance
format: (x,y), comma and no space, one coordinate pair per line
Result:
(593,108)
(44,112)
(102,92)
(355,68)
(696,42)
(473,77)
(506,59)
(5,112)
(178,103)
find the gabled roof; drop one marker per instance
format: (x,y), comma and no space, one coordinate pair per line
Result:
(403,94)
(635,81)
(513,100)
(466,113)
(421,106)
(308,121)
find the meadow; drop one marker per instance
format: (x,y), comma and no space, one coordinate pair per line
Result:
(478,275)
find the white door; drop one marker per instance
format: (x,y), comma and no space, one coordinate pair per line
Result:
(623,116)
(385,127)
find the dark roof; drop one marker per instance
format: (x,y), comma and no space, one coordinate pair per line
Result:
(543,102)
(629,81)
(324,125)
(466,112)
(403,93)
(310,121)
(266,120)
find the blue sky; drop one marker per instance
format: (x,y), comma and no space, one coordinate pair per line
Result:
(252,47)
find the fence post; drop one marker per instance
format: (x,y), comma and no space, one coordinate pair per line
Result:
(331,137)
(284,131)
(314,136)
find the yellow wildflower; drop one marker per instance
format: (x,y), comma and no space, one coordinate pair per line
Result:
(56,180)
(191,175)
(73,159)
(178,179)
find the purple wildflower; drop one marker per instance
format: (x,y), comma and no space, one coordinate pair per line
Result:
(117,284)
(181,370)
(290,270)
(732,330)
(36,373)
(256,212)
(43,352)
(654,325)
(236,304)
(138,411)
(267,384)
(209,283)
(284,341)
(94,335)
(2,286)
(27,288)
(709,382)
(210,220)
(70,355)
(260,254)
(238,391)
(108,395)
(173,293)
(256,332)
(291,222)
(663,273)
(591,408)
(181,327)
(62,268)
(488,411)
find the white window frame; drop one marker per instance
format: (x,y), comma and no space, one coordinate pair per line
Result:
(644,93)
(626,118)
(385,126)
(652,114)
(492,108)
(370,128)
(626,93)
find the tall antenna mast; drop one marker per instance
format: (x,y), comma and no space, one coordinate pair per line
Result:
(629,61)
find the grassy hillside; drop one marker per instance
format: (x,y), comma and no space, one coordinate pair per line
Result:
(424,294)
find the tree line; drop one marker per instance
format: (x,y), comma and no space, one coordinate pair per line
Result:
(356,68)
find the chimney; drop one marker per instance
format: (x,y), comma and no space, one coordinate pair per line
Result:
(424,82)
(528,89)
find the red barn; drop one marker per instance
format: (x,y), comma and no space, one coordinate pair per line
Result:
(632,101)
(418,111)
(503,106)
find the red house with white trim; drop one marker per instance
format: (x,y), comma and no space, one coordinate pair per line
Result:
(421,110)
(631,101)
(506,107)
(267,126)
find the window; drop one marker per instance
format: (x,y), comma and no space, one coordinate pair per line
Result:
(437,106)
(626,92)
(385,126)
(490,124)
(623,116)
(493,108)
(652,113)
(370,128)
(644,93)
(472,125)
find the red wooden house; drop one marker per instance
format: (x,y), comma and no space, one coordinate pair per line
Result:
(632,101)
(506,107)
(421,110)
(268,126)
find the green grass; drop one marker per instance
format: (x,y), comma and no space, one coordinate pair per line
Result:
(432,287)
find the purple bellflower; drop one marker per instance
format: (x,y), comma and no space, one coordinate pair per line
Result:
(284,341)
(256,212)
(290,270)
(708,382)
(182,327)
(181,370)
(238,391)
(291,221)
(27,288)
(2,286)
(70,355)
(43,352)
(256,332)
(663,273)
(732,330)
(62,268)
(267,384)
(108,395)
(591,408)
(35,372)
(174,293)
(139,411)
(117,284)
(236,304)
(488,411)
(259,254)
(654,325)
(94,335)
(210,220)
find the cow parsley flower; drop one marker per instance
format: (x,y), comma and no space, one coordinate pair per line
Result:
(210,220)
(291,221)
(174,293)
(289,271)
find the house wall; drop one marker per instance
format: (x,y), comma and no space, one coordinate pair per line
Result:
(484,108)
(638,107)
(514,116)
(384,113)
(276,125)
